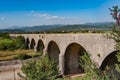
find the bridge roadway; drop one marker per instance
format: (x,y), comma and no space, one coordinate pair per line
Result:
(67,48)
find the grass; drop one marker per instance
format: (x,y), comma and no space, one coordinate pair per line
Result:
(10,55)
(6,41)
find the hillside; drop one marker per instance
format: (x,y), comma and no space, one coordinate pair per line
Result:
(59,28)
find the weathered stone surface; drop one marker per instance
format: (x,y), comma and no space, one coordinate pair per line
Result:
(94,44)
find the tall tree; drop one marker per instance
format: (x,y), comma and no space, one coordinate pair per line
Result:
(115,12)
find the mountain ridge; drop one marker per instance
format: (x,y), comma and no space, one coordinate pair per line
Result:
(60,27)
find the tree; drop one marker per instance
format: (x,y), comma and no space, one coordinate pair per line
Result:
(4,36)
(20,42)
(115,35)
(115,14)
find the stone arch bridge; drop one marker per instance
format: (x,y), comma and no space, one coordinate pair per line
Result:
(66,49)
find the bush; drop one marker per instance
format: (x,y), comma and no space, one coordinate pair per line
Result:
(40,69)
(4,35)
(115,35)
(92,72)
(7,44)
(20,43)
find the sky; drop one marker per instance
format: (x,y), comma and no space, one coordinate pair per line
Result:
(49,12)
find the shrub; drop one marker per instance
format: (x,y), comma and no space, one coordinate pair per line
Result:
(7,44)
(4,35)
(40,69)
(20,43)
(92,72)
(115,35)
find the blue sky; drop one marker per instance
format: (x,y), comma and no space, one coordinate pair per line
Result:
(45,12)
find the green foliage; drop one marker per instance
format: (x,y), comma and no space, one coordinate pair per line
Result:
(41,69)
(11,44)
(4,35)
(91,70)
(115,35)
(7,44)
(115,14)
(20,42)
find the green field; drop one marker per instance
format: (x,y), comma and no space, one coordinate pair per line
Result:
(10,55)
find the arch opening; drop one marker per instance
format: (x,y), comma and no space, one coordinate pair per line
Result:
(108,64)
(27,43)
(72,58)
(53,51)
(40,45)
(32,45)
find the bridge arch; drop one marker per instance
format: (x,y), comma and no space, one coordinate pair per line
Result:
(109,62)
(27,42)
(40,45)
(53,51)
(32,44)
(72,57)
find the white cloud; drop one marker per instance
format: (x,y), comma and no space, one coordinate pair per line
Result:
(51,17)
(43,15)
(46,16)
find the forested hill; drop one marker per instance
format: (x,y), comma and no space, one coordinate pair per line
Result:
(82,27)
(50,28)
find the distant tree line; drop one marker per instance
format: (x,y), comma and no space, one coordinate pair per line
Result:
(7,43)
